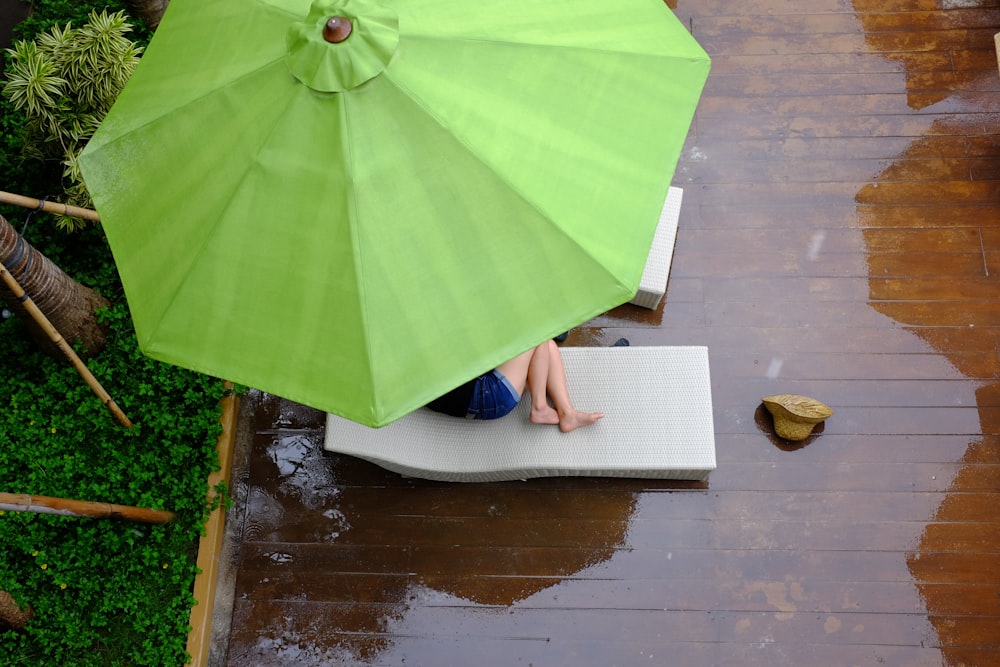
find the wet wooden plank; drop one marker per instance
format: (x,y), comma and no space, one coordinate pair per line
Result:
(838,239)
(849,170)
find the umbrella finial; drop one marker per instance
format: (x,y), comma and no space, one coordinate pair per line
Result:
(337,29)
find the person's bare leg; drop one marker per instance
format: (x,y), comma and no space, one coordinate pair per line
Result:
(540,371)
(516,370)
(538,380)
(569,417)
(530,370)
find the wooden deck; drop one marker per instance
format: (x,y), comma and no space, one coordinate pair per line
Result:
(840,238)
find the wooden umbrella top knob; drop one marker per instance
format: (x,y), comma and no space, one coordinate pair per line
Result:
(337,29)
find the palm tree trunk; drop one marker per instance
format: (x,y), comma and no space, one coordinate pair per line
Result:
(150,11)
(69,306)
(11,612)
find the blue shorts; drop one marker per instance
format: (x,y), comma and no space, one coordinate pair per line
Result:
(492,397)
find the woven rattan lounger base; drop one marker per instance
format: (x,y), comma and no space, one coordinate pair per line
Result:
(653,284)
(658,424)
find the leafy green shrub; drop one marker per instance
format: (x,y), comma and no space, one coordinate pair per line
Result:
(48,13)
(104,592)
(28,176)
(65,82)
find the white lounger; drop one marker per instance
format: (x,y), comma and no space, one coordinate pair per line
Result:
(653,283)
(658,404)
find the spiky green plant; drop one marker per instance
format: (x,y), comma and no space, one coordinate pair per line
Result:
(65,82)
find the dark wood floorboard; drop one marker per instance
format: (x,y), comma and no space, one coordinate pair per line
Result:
(840,238)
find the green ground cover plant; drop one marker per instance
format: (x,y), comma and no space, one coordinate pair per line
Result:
(102,591)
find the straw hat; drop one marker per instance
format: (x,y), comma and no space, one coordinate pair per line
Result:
(794,415)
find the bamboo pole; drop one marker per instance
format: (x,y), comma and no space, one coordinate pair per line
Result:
(19,502)
(56,338)
(49,207)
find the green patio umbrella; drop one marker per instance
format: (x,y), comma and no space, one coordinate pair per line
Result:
(359,205)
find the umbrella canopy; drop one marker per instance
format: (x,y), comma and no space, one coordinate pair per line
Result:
(361,214)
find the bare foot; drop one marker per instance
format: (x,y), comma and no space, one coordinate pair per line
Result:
(546,415)
(576,419)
